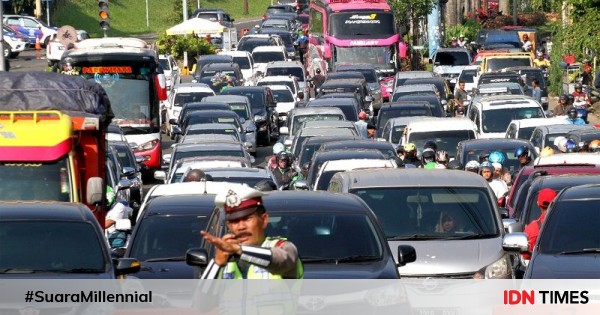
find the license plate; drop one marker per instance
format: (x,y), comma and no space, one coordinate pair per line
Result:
(434,311)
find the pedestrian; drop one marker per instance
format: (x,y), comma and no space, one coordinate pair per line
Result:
(587,78)
(246,252)
(318,79)
(460,97)
(361,125)
(302,42)
(300,102)
(536,92)
(545,197)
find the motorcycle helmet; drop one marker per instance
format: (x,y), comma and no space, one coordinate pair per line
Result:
(484,156)
(409,147)
(284,156)
(577,86)
(454,165)
(400,149)
(520,151)
(427,156)
(430,144)
(539,54)
(278,148)
(571,146)
(486,165)
(594,146)
(571,99)
(472,166)
(362,116)
(441,156)
(547,151)
(562,144)
(572,113)
(496,157)
(564,97)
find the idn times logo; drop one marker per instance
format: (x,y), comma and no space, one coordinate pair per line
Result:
(515,297)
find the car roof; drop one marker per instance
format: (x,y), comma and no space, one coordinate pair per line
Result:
(50,210)
(353,164)
(280,87)
(311,132)
(444,49)
(315,111)
(568,159)
(414,74)
(327,139)
(416,87)
(357,143)
(348,154)
(564,180)
(344,81)
(215,57)
(550,129)
(285,201)
(210,137)
(338,101)
(491,144)
(402,105)
(284,64)
(220,65)
(352,67)
(235,53)
(183,87)
(202,162)
(506,100)
(210,187)
(214,112)
(534,122)
(278,78)
(226,98)
(411,178)
(328,123)
(227,146)
(442,124)
(582,192)
(166,205)
(246,88)
(237,172)
(268,49)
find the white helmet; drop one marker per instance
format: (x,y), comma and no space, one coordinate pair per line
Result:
(472,165)
(278,148)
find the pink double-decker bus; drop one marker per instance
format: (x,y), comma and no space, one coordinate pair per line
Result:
(352,32)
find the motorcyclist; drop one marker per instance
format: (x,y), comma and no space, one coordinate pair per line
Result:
(563,106)
(277,148)
(486,170)
(428,158)
(441,158)
(573,117)
(540,61)
(594,146)
(318,80)
(284,174)
(472,166)
(580,96)
(522,153)
(410,155)
(430,144)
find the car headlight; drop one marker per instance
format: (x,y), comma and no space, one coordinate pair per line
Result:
(500,269)
(147,146)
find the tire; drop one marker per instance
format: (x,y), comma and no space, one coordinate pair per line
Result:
(7,51)
(14,55)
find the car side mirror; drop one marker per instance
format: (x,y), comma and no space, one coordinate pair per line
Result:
(126,266)
(301,185)
(160,175)
(124,184)
(128,171)
(242,120)
(503,213)
(139,159)
(173,121)
(166,158)
(284,131)
(93,190)
(368,98)
(406,254)
(197,257)
(515,242)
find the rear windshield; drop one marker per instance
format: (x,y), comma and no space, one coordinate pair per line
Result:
(496,64)
(267,56)
(468,76)
(452,58)
(299,119)
(445,140)
(243,62)
(293,71)
(248,44)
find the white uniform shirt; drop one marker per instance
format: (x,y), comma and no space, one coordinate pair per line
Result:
(499,187)
(119,211)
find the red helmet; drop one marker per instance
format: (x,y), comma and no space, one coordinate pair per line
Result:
(362,115)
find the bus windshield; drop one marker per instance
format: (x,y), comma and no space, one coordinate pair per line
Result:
(371,24)
(379,57)
(128,85)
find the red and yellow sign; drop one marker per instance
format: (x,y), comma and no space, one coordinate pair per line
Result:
(103,70)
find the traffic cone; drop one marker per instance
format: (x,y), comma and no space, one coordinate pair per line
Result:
(38,48)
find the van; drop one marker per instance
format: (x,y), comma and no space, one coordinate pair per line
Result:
(413,204)
(445,132)
(493,114)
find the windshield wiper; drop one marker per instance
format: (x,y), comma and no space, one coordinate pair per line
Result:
(16,270)
(581,251)
(473,236)
(417,237)
(178,258)
(138,129)
(81,270)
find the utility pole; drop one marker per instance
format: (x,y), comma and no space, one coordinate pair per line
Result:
(38,9)
(246,7)
(185,13)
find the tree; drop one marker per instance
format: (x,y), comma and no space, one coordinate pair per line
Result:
(246,7)
(19,6)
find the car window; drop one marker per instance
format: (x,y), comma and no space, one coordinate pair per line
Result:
(498,119)
(294,71)
(52,246)
(188,154)
(284,96)
(13,21)
(30,23)
(191,97)
(243,62)
(330,231)
(209,16)
(408,211)
(569,226)
(167,236)
(445,140)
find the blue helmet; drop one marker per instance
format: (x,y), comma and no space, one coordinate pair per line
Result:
(571,146)
(496,157)
(520,151)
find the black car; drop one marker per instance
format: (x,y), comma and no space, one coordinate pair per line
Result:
(287,38)
(583,137)
(128,159)
(469,150)
(437,109)
(370,74)
(502,77)
(400,109)
(364,106)
(322,226)
(445,92)
(263,108)
(321,157)
(214,15)
(386,148)
(55,240)
(567,246)
(311,145)
(347,86)
(211,116)
(208,59)
(249,43)
(344,75)
(349,106)
(168,227)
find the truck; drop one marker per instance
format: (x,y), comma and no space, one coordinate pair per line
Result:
(52,139)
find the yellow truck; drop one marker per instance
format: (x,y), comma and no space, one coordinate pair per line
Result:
(498,62)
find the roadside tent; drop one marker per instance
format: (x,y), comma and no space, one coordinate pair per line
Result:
(196,26)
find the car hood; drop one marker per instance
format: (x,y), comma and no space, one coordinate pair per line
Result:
(383,269)
(544,266)
(284,107)
(165,270)
(448,69)
(450,257)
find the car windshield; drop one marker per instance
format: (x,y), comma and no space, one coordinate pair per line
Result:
(308,151)
(240,109)
(210,73)
(275,23)
(248,44)
(452,58)
(468,76)
(408,211)
(52,246)
(496,64)
(572,226)
(214,152)
(356,24)
(379,57)
(349,110)
(299,119)
(369,74)
(525,133)
(284,96)
(256,98)
(194,120)
(398,111)
(446,140)
(167,236)
(331,231)
(399,94)
(293,71)
(497,120)
(214,17)
(267,56)
(192,97)
(49,181)
(213,132)
(533,75)
(125,155)
(397,133)
(243,62)
(240,179)
(510,161)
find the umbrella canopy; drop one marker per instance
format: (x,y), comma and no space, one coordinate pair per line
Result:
(196,26)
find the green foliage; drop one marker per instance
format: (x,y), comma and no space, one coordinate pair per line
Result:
(583,33)
(176,45)
(469,29)
(417,8)
(556,74)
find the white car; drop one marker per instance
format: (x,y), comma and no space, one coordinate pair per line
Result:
(31,27)
(523,128)
(170,69)
(289,81)
(246,63)
(469,76)
(16,43)
(262,55)
(285,100)
(330,168)
(180,95)
(445,132)
(55,50)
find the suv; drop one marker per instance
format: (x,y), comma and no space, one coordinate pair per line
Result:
(288,68)
(14,42)
(30,27)
(496,63)
(170,69)
(291,82)
(231,69)
(370,74)
(531,74)
(251,41)
(263,108)
(214,15)
(448,63)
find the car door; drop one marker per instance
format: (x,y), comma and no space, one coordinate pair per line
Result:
(32,27)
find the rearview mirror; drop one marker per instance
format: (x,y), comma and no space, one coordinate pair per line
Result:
(196,257)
